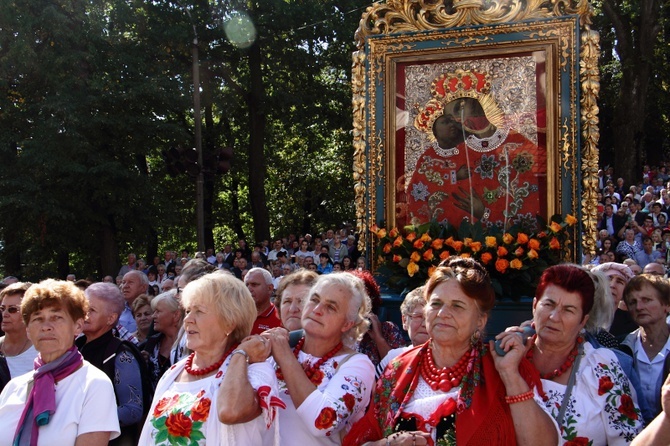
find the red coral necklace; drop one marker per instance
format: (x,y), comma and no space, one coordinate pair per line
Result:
(565,366)
(445,378)
(206,370)
(311,370)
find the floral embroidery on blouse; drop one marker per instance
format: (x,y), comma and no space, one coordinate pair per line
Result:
(179,419)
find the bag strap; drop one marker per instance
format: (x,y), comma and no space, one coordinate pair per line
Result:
(571,383)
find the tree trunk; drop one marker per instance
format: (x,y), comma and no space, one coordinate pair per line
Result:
(109,250)
(257,165)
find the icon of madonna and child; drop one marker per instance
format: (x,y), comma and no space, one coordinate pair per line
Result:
(474,165)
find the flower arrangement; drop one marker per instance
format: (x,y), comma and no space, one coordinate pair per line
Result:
(514,258)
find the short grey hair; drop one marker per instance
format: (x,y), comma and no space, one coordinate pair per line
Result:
(266,275)
(110,294)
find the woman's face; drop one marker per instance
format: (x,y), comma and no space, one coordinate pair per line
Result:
(646,308)
(451,316)
(143,318)
(164,318)
(324,315)
(415,324)
(203,327)
(346,262)
(98,320)
(360,263)
(52,331)
(607,244)
(292,302)
(11,316)
(558,316)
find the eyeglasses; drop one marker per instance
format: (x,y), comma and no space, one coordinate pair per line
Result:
(12,309)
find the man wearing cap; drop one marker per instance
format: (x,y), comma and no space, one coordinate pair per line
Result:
(618,275)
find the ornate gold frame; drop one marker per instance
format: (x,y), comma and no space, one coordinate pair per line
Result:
(406,29)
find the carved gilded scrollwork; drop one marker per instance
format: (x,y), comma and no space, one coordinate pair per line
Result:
(590,82)
(358,103)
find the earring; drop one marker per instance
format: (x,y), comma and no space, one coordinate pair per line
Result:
(474,339)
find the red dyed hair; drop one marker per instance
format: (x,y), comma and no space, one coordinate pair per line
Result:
(572,279)
(370,286)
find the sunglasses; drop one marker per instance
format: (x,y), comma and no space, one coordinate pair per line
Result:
(12,309)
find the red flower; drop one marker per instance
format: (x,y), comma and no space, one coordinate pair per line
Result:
(627,407)
(387,248)
(179,425)
(605,384)
(317,377)
(577,441)
(164,405)
(326,418)
(200,410)
(349,401)
(486,258)
(418,244)
(554,244)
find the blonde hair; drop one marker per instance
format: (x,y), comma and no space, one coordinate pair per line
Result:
(229,297)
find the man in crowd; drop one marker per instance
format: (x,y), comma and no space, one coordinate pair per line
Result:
(259,283)
(648,254)
(134,283)
(130,266)
(279,247)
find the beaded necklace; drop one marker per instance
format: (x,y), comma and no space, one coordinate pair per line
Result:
(206,370)
(445,378)
(565,366)
(312,372)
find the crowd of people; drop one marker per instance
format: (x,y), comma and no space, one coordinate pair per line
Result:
(286,346)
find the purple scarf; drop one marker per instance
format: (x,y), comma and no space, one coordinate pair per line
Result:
(41,403)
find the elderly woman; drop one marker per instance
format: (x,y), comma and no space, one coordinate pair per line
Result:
(119,360)
(225,378)
(587,391)
(15,346)
(291,297)
(167,318)
(65,400)
(648,300)
(452,389)
(413,322)
(324,383)
(143,317)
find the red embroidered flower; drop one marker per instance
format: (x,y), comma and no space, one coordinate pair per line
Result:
(627,407)
(200,410)
(605,384)
(317,377)
(179,425)
(577,441)
(165,404)
(218,375)
(326,418)
(349,401)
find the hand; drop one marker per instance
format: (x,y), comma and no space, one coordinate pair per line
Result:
(512,343)
(462,173)
(278,338)
(257,347)
(665,396)
(375,325)
(463,203)
(407,438)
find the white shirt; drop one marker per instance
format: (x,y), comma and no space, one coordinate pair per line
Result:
(85,403)
(22,363)
(650,371)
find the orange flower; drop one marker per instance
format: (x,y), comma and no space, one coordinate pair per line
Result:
(465,255)
(516,264)
(508,239)
(532,254)
(415,257)
(387,248)
(519,251)
(431,270)
(502,265)
(556,227)
(486,258)
(428,255)
(418,244)
(502,251)
(398,241)
(396,258)
(554,243)
(569,219)
(374,228)
(438,244)
(444,255)
(476,246)
(381,233)
(412,268)
(542,234)
(522,238)
(393,233)
(467,241)
(450,242)
(534,244)
(491,242)
(457,246)
(426,238)
(200,410)
(411,237)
